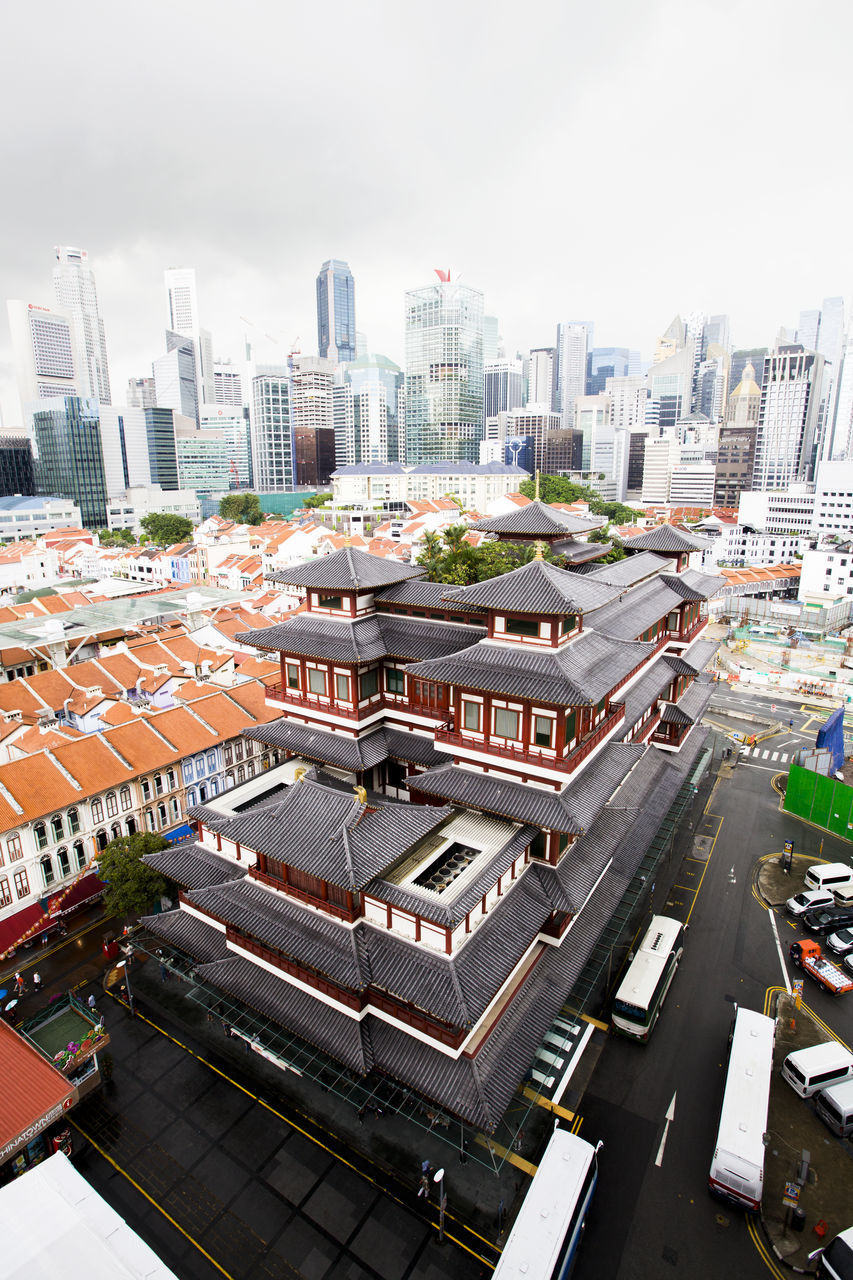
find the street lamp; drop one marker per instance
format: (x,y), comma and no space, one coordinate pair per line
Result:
(438,1177)
(122,964)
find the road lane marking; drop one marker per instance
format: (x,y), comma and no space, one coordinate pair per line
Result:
(670,1116)
(772,915)
(762,1250)
(775,755)
(768,768)
(698,888)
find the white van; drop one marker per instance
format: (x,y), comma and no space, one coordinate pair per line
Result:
(835,1108)
(819,1067)
(843,894)
(828,875)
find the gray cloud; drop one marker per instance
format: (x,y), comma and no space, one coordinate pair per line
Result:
(619,164)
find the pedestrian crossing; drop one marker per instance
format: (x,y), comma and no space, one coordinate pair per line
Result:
(757,753)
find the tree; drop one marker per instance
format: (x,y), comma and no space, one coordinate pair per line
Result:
(165,529)
(132,886)
(116,537)
(559,489)
(242,508)
(318,500)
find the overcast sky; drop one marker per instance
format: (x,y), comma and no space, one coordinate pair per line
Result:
(615,161)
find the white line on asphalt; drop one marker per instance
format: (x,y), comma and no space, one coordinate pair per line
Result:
(765,755)
(670,1116)
(775,755)
(779,949)
(789,742)
(768,768)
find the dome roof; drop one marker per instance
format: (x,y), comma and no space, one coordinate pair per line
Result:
(747,385)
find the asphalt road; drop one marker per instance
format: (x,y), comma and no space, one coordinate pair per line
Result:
(653,1219)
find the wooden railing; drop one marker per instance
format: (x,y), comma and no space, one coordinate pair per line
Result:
(305,702)
(533,755)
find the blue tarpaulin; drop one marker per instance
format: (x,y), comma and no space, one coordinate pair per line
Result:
(831,736)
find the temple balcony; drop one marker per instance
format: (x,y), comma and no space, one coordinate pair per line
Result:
(522,753)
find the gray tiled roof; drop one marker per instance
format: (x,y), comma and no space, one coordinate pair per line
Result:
(451,910)
(417,592)
(364,639)
(536,519)
(580,552)
(693,585)
(187,933)
(644,692)
(193,866)
(665,537)
(672,714)
(570,810)
(631,570)
(536,587)
(339,750)
(276,998)
(577,674)
(694,701)
(346,570)
(678,666)
(640,608)
(700,653)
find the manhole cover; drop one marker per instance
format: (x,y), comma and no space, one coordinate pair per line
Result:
(721,1220)
(670,1256)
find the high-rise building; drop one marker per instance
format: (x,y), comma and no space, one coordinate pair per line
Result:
(535,423)
(183,315)
(573,342)
(603,363)
(787,437)
(17,475)
(45,356)
(273,461)
(181,299)
(233,422)
(141,393)
(227,383)
(444,372)
(71,462)
(175,376)
(504,386)
(124,446)
(77,297)
(336,338)
(740,359)
(824,331)
(202,458)
(372,415)
(670,379)
(542,377)
(160,429)
(491,339)
(314,454)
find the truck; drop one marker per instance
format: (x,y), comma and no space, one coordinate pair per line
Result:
(806,955)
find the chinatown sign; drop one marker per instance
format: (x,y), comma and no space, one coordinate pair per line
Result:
(35,1128)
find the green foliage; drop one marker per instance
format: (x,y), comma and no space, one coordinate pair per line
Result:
(132,886)
(166,530)
(559,489)
(243,508)
(116,538)
(319,500)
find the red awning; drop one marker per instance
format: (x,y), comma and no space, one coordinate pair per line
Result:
(85,890)
(34,1092)
(13,928)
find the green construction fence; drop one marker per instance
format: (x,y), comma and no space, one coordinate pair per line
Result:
(826,802)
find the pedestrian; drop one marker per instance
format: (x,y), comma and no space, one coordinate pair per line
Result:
(163,972)
(19,983)
(790,724)
(91,1002)
(36,982)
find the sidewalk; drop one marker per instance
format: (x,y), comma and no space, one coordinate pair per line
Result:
(793,1124)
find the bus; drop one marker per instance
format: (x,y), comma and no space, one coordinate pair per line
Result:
(642,992)
(546,1234)
(737,1169)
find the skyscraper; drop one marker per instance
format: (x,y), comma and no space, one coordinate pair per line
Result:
(184,320)
(504,386)
(573,341)
(444,372)
(273,461)
(369,412)
(542,377)
(76,295)
(71,462)
(175,376)
(603,363)
(336,338)
(45,355)
(788,418)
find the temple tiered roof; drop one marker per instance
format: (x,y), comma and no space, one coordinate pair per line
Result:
(363,639)
(536,587)
(537,520)
(665,537)
(346,570)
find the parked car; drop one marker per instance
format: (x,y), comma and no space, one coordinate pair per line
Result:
(827,919)
(809,900)
(841,942)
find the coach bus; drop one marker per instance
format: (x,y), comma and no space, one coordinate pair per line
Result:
(546,1234)
(737,1169)
(642,991)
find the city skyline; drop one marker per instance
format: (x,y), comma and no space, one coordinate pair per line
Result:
(623,259)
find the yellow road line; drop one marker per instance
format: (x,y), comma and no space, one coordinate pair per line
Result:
(375,1182)
(51,951)
(698,888)
(150,1199)
(547,1104)
(577,1124)
(518,1161)
(685,888)
(763,1252)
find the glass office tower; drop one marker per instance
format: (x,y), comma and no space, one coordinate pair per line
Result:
(444,373)
(336,311)
(71,460)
